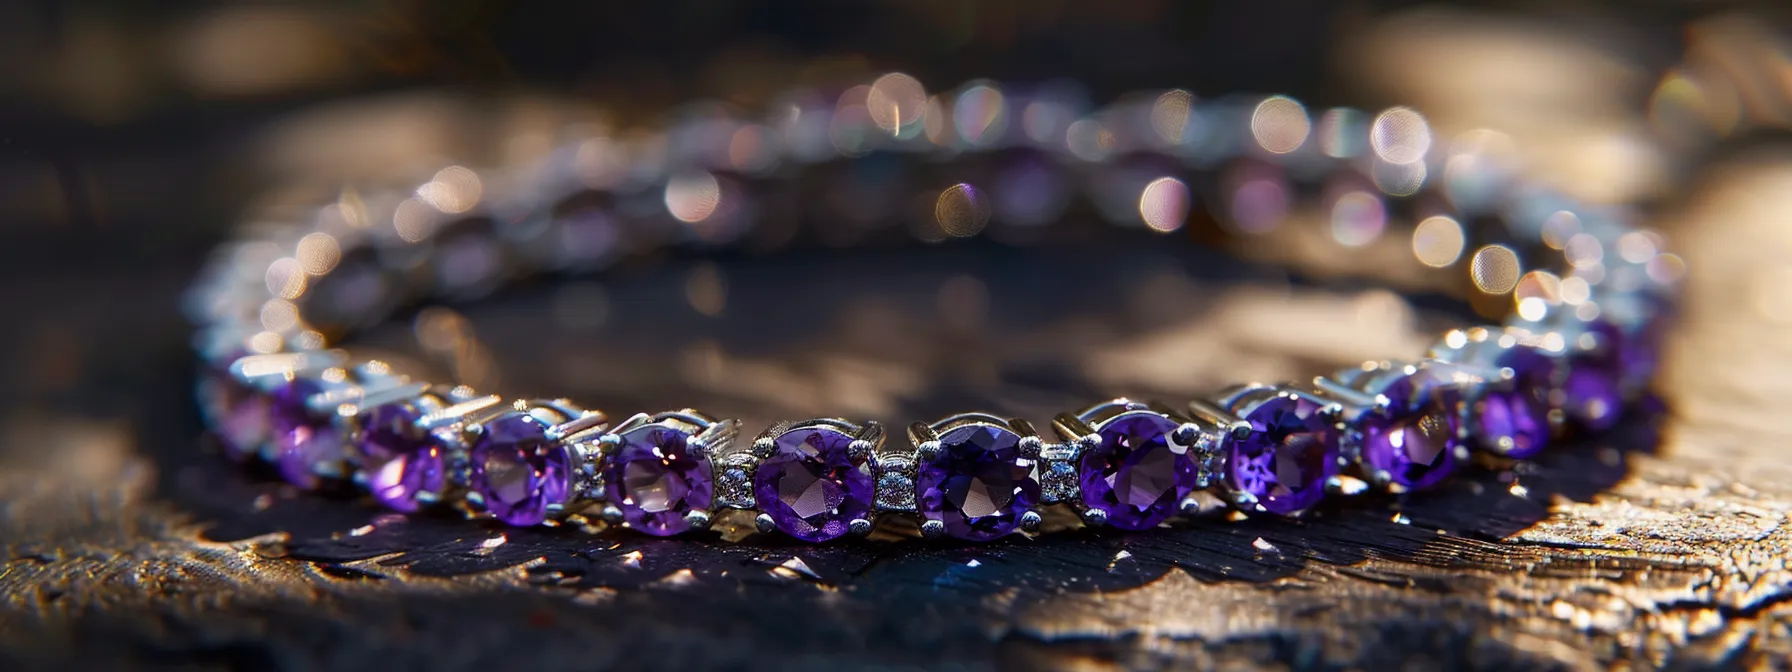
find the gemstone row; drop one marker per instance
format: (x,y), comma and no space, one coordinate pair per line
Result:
(1278,450)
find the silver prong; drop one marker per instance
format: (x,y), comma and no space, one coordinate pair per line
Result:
(765,446)
(611,514)
(588,420)
(699,520)
(1190,506)
(718,437)
(1245,501)
(1187,434)
(858,527)
(860,450)
(933,529)
(1029,521)
(928,450)
(872,433)
(1031,447)
(920,432)
(1089,442)
(1095,517)
(456,412)
(1070,427)
(764,523)
(608,443)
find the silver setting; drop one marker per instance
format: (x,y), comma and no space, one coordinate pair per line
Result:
(926,441)
(737,470)
(1466,360)
(706,438)
(1240,402)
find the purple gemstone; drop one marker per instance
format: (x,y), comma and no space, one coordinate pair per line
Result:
(1513,420)
(235,411)
(1285,462)
(1136,476)
(656,479)
(403,463)
(307,444)
(978,484)
(1592,396)
(810,486)
(1416,450)
(519,474)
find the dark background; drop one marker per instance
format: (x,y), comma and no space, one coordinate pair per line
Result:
(134,135)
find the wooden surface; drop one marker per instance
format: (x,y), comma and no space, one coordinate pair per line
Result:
(1663,545)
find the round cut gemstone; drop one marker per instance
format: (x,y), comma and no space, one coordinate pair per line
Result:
(1415,450)
(1137,476)
(656,479)
(307,445)
(403,463)
(978,484)
(1513,419)
(1284,463)
(521,477)
(810,486)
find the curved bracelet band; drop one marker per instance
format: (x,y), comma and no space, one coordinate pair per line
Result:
(273,390)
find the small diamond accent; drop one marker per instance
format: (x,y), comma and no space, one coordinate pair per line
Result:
(1058,483)
(734,481)
(895,485)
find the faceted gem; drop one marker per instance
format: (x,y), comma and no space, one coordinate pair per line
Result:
(810,486)
(1136,475)
(520,475)
(403,463)
(1285,462)
(235,411)
(656,479)
(1415,449)
(306,444)
(978,484)
(1513,419)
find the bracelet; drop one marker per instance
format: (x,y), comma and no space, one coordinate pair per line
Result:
(1579,347)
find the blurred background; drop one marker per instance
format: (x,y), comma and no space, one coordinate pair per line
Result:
(135,136)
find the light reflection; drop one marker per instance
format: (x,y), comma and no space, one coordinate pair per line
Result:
(1358,218)
(1438,241)
(1541,286)
(1170,115)
(414,220)
(1575,290)
(1342,133)
(1558,227)
(692,198)
(1582,249)
(961,211)
(1399,179)
(1400,135)
(1088,140)
(980,114)
(454,190)
(1280,124)
(1259,205)
(286,278)
(706,290)
(1638,247)
(318,253)
(895,102)
(279,316)
(1045,121)
(266,342)
(1494,269)
(1666,269)
(1164,204)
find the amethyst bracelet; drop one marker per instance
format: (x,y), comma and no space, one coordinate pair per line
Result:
(1579,348)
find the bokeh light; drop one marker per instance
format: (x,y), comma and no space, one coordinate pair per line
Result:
(961,211)
(895,102)
(1280,124)
(1438,241)
(1400,135)
(980,115)
(1494,269)
(1170,116)
(1357,218)
(693,197)
(1164,204)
